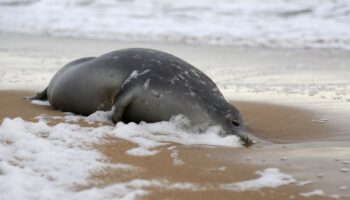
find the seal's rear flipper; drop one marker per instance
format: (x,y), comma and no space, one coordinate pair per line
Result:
(122,100)
(42,96)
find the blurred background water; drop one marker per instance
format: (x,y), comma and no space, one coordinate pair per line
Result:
(263,23)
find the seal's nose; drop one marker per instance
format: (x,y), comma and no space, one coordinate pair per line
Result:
(247,142)
(244,138)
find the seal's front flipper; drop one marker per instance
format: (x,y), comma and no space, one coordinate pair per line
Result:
(122,101)
(42,96)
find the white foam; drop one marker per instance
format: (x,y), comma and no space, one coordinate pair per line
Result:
(175,156)
(38,161)
(142,151)
(316,192)
(149,136)
(99,116)
(43,162)
(165,184)
(302,183)
(269,178)
(41,103)
(272,23)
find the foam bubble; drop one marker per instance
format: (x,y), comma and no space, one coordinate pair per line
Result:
(316,192)
(270,177)
(41,103)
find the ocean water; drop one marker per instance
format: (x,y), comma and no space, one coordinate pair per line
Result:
(263,23)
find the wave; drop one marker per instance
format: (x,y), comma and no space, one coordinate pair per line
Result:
(270,23)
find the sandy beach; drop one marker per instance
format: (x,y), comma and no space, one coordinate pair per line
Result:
(299,119)
(304,154)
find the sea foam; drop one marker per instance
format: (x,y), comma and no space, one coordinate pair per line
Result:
(38,161)
(271,23)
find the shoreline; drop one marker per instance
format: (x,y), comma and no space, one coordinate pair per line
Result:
(290,123)
(169,43)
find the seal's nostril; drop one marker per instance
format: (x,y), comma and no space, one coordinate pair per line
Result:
(247,142)
(235,123)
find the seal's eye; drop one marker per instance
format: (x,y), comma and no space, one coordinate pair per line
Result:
(235,123)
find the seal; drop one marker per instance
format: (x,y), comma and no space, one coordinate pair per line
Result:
(142,85)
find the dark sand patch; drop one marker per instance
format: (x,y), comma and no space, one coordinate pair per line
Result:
(298,156)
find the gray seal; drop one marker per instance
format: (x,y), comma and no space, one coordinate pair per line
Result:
(142,85)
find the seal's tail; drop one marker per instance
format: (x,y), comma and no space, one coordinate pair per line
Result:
(42,96)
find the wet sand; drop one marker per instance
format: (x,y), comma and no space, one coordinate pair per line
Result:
(288,138)
(294,124)
(303,129)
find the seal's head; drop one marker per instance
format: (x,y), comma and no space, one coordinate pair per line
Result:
(239,130)
(232,124)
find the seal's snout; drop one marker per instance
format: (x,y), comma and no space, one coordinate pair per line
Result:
(239,132)
(247,142)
